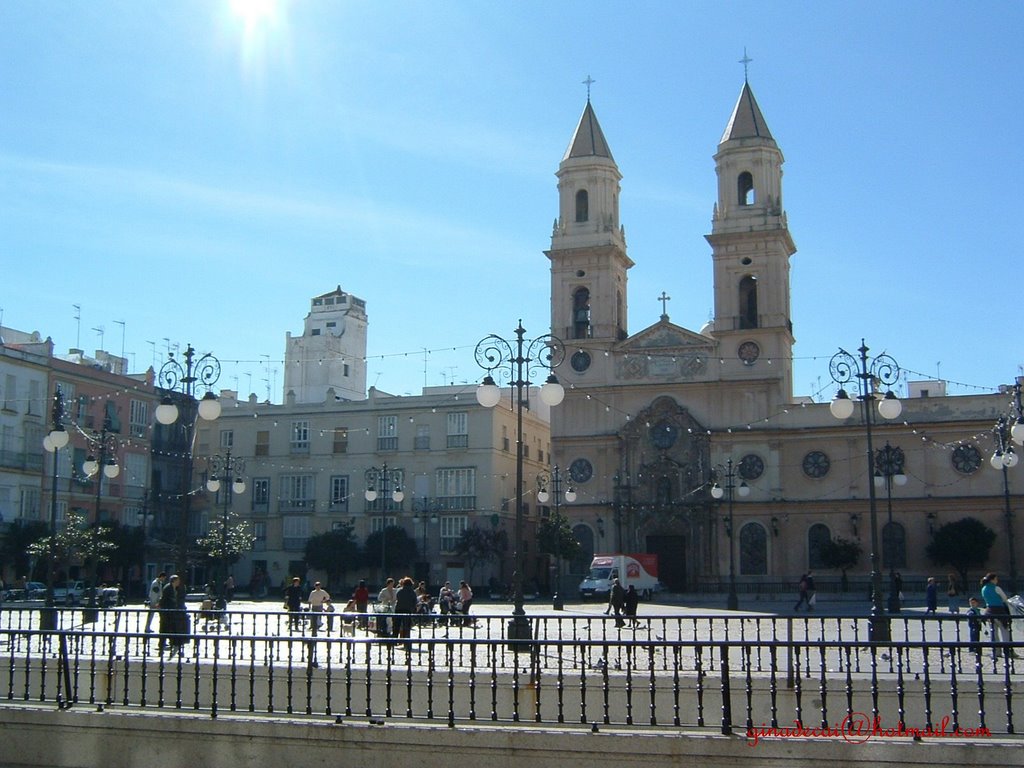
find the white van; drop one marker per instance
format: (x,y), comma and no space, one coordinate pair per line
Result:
(640,570)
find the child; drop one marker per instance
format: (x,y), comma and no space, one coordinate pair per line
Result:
(974,625)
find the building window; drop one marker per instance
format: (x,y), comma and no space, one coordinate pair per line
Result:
(753,550)
(422,440)
(138,418)
(745,188)
(344,370)
(452,527)
(379,522)
(339,493)
(894,546)
(295,532)
(387,433)
(456,487)
(341,440)
(817,538)
(259,532)
(261,494)
(227,439)
(582,206)
(29,507)
(315,332)
(299,437)
(505,444)
(748,302)
(296,493)
(136,474)
(458,430)
(10,393)
(581,314)
(263,442)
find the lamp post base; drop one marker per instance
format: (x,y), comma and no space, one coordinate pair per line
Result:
(557,603)
(732,603)
(879,629)
(48,618)
(519,634)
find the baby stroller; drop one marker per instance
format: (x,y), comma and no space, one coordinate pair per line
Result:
(213,611)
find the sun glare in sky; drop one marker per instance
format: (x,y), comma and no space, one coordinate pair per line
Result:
(254,12)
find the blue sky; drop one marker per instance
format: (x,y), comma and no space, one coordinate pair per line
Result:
(198,175)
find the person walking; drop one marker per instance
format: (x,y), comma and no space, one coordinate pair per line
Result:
(156,589)
(803,592)
(631,602)
(931,596)
(386,603)
(405,606)
(466,601)
(999,612)
(953,593)
(293,603)
(897,585)
(361,597)
(173,621)
(974,625)
(617,599)
(319,598)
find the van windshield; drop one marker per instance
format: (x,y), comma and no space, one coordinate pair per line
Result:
(600,573)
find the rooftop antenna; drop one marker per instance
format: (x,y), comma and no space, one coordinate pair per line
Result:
(938,370)
(78,320)
(424,365)
(99,332)
(249,375)
(152,345)
(167,341)
(122,324)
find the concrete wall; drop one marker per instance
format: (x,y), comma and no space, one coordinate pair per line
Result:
(44,736)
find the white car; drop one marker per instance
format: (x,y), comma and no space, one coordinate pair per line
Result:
(69,592)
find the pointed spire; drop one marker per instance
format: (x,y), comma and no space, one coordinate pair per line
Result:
(746,122)
(588,141)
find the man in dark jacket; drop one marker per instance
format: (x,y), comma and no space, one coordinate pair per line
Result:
(405,605)
(617,599)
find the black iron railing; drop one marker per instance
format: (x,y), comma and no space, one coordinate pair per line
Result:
(726,673)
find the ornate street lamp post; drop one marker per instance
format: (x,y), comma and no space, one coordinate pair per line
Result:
(228,470)
(425,512)
(57,438)
(1005,458)
(883,370)
(174,377)
(889,464)
(383,478)
(102,454)
(555,479)
(494,353)
(717,491)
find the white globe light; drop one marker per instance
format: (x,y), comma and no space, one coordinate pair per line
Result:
(111,470)
(370,494)
(239,485)
(1010,459)
(899,478)
(716,491)
(209,407)
(1017,432)
(570,495)
(841,406)
(552,393)
(488,394)
(879,480)
(59,437)
(90,466)
(996,461)
(398,495)
(213,485)
(48,445)
(543,496)
(166,412)
(744,489)
(890,407)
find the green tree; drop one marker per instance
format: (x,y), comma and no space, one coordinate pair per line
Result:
(76,542)
(14,547)
(400,551)
(334,552)
(556,537)
(222,550)
(480,545)
(962,545)
(841,554)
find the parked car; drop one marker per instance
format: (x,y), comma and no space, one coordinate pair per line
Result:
(109,597)
(33,590)
(69,592)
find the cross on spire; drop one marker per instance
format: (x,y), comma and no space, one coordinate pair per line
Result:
(588,82)
(664,299)
(745,61)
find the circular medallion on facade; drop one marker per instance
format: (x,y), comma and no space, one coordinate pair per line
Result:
(580,361)
(751,467)
(966,459)
(581,470)
(816,464)
(749,352)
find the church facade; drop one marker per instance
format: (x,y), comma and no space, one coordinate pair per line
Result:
(654,419)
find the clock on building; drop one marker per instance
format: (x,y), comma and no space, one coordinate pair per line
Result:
(663,434)
(751,467)
(581,470)
(816,464)
(966,459)
(580,361)
(749,352)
